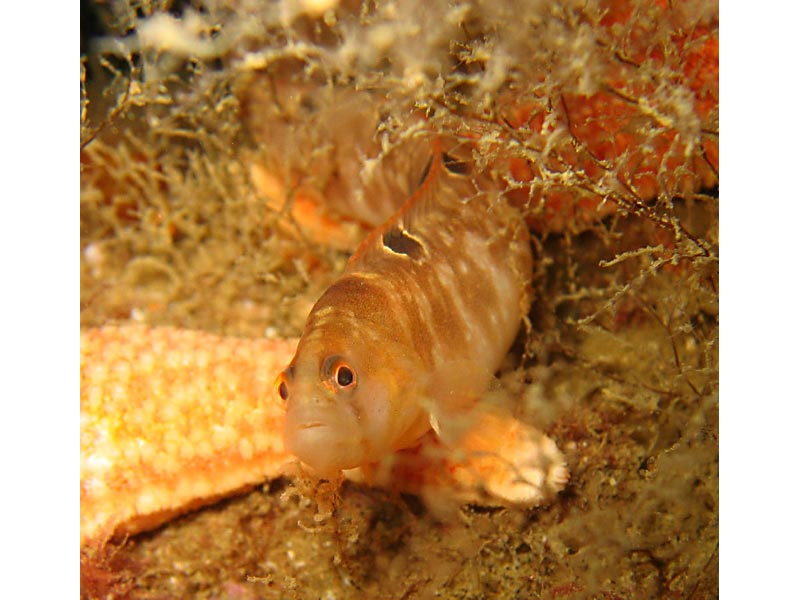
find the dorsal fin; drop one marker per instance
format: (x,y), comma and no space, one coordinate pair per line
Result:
(398,232)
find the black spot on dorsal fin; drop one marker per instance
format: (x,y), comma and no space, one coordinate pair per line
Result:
(455,166)
(399,241)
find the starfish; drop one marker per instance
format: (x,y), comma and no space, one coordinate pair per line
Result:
(173,419)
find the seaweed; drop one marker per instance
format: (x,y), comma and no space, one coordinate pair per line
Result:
(600,119)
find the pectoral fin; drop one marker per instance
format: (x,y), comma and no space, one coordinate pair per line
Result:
(512,461)
(455,391)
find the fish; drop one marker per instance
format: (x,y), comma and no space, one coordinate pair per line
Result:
(409,337)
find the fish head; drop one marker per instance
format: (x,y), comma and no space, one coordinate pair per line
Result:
(348,403)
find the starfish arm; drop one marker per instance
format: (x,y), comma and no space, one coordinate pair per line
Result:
(173,419)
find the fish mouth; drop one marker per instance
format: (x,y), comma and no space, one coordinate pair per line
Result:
(313,425)
(327,442)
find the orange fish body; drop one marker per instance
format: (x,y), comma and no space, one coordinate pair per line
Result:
(413,330)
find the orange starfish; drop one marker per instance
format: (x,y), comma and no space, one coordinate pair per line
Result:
(172,420)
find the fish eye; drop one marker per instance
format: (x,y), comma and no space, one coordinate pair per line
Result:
(344,375)
(338,373)
(280,383)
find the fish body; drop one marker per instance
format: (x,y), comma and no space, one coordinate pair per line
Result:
(411,333)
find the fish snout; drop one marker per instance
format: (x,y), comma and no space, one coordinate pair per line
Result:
(328,439)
